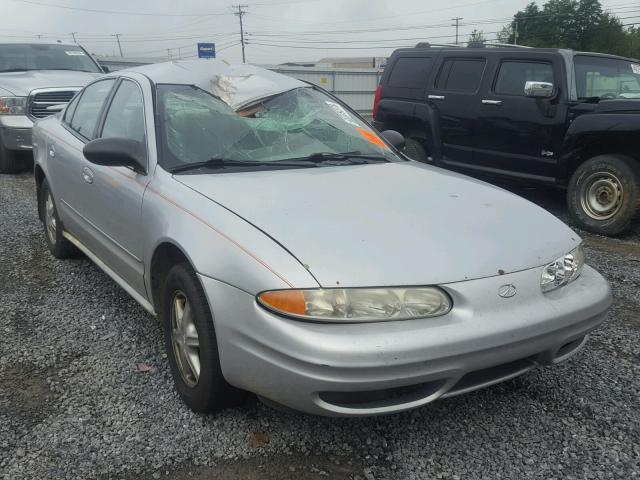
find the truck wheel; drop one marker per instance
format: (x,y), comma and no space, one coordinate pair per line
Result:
(191,345)
(59,246)
(10,161)
(414,150)
(604,193)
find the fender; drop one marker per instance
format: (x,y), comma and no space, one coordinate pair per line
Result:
(598,133)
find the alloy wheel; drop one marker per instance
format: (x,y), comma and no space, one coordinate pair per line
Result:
(50,218)
(184,339)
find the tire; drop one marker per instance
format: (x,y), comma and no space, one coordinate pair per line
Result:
(604,193)
(59,246)
(414,150)
(195,369)
(10,161)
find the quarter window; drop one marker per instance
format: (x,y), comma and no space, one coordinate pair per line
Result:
(68,113)
(461,74)
(125,118)
(85,118)
(410,72)
(513,76)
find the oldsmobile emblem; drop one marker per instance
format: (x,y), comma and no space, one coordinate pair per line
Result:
(507,291)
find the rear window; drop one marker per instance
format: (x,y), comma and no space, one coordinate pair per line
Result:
(461,74)
(410,72)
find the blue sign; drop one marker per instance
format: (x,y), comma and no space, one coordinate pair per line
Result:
(206,50)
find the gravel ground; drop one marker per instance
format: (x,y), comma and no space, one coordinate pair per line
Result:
(74,405)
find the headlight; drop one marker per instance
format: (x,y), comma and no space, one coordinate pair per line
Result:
(357,304)
(12,105)
(564,270)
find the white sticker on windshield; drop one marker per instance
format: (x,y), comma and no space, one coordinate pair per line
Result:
(75,53)
(635,68)
(342,113)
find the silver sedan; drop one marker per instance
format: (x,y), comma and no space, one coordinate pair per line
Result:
(291,251)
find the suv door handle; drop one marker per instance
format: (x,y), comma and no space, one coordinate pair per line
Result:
(436,97)
(492,102)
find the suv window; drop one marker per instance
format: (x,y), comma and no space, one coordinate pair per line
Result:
(513,75)
(410,72)
(85,118)
(125,118)
(606,77)
(461,74)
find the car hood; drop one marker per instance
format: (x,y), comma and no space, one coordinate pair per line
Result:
(391,224)
(21,83)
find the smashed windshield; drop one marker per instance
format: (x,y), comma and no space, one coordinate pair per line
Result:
(296,124)
(604,77)
(20,57)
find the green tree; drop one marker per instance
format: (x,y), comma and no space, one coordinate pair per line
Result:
(476,39)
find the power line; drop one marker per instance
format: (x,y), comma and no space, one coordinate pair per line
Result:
(241,13)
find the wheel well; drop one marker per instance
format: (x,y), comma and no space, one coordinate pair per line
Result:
(602,146)
(39,176)
(164,258)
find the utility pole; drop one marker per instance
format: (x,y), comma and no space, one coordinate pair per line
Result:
(515,32)
(240,13)
(117,35)
(73,34)
(457,24)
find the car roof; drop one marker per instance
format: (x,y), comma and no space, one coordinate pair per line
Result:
(38,42)
(235,84)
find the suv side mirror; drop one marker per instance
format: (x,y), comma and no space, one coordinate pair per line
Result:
(117,152)
(105,69)
(394,138)
(538,89)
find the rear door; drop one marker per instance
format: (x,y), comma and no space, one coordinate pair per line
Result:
(453,95)
(515,134)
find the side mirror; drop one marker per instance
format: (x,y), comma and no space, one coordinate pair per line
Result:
(117,152)
(105,69)
(538,89)
(394,138)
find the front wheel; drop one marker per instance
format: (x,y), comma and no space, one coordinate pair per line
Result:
(604,193)
(191,343)
(10,161)
(59,246)
(414,150)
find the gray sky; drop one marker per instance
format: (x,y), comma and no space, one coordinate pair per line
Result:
(273,27)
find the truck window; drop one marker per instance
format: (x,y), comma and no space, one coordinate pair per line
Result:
(460,74)
(410,72)
(606,77)
(513,76)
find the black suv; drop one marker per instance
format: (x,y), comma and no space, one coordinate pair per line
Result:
(558,117)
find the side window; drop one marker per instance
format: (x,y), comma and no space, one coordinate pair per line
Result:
(68,113)
(513,75)
(85,118)
(125,118)
(410,72)
(461,74)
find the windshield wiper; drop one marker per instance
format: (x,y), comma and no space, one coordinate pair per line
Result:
(221,163)
(351,158)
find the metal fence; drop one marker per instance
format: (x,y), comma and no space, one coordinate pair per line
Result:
(356,87)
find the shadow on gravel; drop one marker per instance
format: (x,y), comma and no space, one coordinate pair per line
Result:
(268,467)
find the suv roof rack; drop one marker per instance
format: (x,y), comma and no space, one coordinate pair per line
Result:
(509,45)
(470,45)
(429,45)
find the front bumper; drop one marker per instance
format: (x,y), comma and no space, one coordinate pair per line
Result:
(386,367)
(15,132)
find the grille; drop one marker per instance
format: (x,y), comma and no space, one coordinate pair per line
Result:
(41,103)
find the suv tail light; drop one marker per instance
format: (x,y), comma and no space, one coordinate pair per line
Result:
(376,101)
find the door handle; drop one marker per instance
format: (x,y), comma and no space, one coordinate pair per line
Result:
(492,102)
(436,97)
(87,175)
(52,151)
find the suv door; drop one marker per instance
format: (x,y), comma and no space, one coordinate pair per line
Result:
(114,198)
(516,134)
(456,83)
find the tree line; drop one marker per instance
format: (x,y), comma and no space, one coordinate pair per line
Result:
(576,24)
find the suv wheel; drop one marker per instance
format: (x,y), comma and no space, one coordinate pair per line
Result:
(414,150)
(191,344)
(59,246)
(10,161)
(604,193)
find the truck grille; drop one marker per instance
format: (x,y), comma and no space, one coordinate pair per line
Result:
(45,102)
